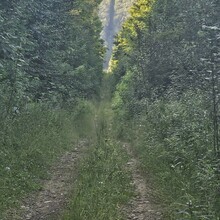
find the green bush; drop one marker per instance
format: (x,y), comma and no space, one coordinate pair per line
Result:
(173,138)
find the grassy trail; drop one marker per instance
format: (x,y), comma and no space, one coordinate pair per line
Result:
(103,185)
(110,186)
(95,179)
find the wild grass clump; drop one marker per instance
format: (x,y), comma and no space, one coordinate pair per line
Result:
(103,185)
(30,142)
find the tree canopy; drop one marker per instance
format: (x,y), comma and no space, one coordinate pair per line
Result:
(49,50)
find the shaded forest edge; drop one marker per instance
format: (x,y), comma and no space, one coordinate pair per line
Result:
(165,84)
(48,74)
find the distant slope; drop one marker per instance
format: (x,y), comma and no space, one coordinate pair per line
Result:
(112,14)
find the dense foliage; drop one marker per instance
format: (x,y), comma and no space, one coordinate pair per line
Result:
(50,60)
(43,55)
(166,72)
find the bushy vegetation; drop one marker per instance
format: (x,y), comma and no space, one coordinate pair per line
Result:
(165,71)
(48,71)
(173,140)
(42,54)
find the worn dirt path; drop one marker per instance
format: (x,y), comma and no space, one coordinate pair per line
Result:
(49,202)
(142,206)
(52,198)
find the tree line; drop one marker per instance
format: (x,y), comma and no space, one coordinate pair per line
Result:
(166,66)
(49,51)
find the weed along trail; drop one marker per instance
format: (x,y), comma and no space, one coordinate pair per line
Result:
(55,192)
(79,79)
(142,205)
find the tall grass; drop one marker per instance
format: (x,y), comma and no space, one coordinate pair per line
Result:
(29,144)
(103,185)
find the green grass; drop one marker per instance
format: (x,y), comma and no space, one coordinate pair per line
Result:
(103,184)
(34,139)
(30,143)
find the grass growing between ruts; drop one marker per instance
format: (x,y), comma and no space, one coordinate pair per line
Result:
(103,184)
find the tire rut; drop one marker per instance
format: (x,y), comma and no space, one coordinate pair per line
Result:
(54,195)
(142,206)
